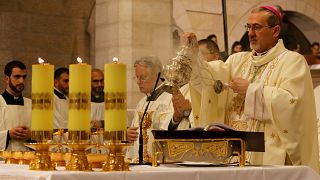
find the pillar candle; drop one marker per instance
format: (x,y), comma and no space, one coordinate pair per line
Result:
(79,97)
(42,97)
(115,97)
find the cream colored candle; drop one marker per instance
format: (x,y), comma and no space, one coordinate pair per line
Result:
(115,96)
(79,97)
(42,97)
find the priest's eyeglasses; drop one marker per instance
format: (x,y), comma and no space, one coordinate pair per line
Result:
(141,78)
(255,27)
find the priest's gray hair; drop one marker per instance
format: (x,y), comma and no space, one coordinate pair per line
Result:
(151,62)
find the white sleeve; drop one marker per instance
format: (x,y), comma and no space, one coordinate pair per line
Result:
(255,105)
(3,139)
(3,130)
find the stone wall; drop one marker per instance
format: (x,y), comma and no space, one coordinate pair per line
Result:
(56,31)
(129,29)
(205,17)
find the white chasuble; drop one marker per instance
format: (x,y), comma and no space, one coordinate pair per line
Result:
(279,102)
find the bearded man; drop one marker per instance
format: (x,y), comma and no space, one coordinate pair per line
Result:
(15,110)
(97,98)
(61,100)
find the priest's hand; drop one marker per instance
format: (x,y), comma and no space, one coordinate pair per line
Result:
(20,133)
(132,134)
(180,106)
(190,39)
(239,85)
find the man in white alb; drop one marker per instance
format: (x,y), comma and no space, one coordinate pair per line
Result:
(15,110)
(61,91)
(97,98)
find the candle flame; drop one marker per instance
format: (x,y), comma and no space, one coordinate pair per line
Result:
(40,60)
(115,60)
(79,60)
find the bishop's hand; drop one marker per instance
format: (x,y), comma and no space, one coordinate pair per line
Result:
(190,40)
(239,85)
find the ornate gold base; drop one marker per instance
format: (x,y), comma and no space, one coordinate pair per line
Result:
(115,136)
(115,159)
(58,159)
(17,161)
(78,137)
(8,156)
(17,157)
(96,160)
(78,160)
(41,136)
(11,161)
(42,160)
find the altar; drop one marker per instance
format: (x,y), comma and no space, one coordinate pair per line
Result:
(167,172)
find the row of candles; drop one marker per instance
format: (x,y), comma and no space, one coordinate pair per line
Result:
(79,96)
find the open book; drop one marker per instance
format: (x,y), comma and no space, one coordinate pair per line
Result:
(214,127)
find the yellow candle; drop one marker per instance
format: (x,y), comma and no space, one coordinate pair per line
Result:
(79,97)
(115,97)
(42,97)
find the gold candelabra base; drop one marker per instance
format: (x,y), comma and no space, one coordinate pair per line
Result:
(115,159)
(78,160)
(17,157)
(42,160)
(58,158)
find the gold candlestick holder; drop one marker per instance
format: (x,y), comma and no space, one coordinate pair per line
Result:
(115,157)
(78,142)
(58,153)
(115,144)
(8,156)
(42,160)
(97,155)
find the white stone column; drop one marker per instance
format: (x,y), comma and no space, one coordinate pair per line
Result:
(129,29)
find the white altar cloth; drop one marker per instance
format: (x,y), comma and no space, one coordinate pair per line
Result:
(163,172)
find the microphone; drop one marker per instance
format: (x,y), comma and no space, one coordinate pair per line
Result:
(141,121)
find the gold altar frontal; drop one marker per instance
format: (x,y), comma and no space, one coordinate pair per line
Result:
(214,148)
(213,151)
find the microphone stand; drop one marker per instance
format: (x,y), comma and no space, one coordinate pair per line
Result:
(141,121)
